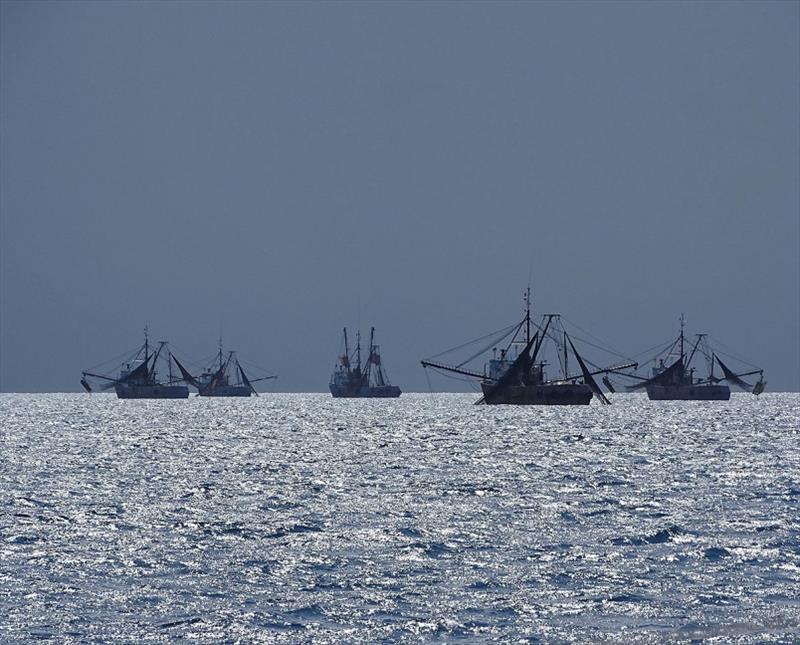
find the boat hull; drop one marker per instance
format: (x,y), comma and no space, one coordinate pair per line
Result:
(688,392)
(556,394)
(227,390)
(152,391)
(367,392)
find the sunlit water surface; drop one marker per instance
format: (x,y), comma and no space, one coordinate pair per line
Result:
(299,518)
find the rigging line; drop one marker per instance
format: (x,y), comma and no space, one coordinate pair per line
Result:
(664,348)
(208,362)
(554,329)
(601,348)
(555,336)
(597,366)
(671,349)
(665,351)
(705,352)
(486,349)
(186,360)
(736,358)
(599,340)
(505,331)
(513,340)
(130,353)
(646,363)
(204,363)
(253,365)
(662,345)
(594,365)
(717,341)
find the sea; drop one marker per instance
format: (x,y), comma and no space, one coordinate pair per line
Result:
(299,518)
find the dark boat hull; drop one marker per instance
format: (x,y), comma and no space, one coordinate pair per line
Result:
(227,390)
(555,394)
(152,391)
(688,392)
(375,392)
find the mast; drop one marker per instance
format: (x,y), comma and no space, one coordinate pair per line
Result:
(358,350)
(371,352)
(161,344)
(346,350)
(220,353)
(694,349)
(536,349)
(682,323)
(528,315)
(146,346)
(566,371)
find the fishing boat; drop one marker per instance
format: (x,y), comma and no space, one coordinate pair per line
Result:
(352,380)
(672,377)
(516,372)
(138,377)
(225,378)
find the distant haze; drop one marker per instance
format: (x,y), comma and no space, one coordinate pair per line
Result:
(280,170)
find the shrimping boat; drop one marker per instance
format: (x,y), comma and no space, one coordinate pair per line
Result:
(226,378)
(517,376)
(138,377)
(672,377)
(352,380)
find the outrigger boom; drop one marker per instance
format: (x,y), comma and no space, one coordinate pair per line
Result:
(450,368)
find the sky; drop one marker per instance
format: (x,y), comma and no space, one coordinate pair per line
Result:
(276,171)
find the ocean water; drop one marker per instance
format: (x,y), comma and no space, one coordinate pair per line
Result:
(300,518)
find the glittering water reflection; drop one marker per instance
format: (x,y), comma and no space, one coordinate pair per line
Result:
(303,518)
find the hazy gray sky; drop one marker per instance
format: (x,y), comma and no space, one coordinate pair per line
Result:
(279,169)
